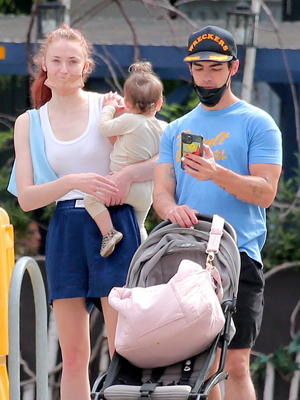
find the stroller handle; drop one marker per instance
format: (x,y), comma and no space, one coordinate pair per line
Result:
(201,217)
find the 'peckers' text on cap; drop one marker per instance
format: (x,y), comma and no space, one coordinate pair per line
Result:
(211,44)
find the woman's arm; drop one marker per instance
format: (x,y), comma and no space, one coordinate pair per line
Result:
(138,172)
(32,196)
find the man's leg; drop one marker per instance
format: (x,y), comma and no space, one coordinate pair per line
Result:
(239,385)
(247,320)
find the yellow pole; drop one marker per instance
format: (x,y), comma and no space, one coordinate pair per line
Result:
(7,261)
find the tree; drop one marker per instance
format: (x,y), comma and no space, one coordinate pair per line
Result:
(15,6)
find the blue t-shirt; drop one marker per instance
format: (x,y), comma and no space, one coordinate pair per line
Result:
(238,135)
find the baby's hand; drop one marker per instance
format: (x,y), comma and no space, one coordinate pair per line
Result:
(114,99)
(111,102)
(110,99)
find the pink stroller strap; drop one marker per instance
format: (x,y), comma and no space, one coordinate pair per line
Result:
(215,234)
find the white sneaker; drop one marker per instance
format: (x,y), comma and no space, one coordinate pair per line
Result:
(109,242)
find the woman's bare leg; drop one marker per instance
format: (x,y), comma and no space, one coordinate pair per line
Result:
(215,393)
(110,320)
(72,321)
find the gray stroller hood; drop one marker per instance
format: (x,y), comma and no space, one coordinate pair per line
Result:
(155,262)
(158,258)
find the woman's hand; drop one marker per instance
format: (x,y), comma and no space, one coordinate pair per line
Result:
(96,185)
(123,185)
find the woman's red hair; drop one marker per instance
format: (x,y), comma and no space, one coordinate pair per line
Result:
(40,93)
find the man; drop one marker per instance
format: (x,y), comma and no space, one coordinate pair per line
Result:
(236,177)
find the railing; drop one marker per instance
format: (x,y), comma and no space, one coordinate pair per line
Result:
(23,264)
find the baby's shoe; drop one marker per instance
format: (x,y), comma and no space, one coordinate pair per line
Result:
(109,242)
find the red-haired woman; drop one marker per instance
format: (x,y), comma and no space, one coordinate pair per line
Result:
(60,156)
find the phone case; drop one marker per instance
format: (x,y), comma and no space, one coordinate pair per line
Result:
(191,143)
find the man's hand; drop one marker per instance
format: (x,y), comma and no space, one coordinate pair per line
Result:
(183,215)
(201,168)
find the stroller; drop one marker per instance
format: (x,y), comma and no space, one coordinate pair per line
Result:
(154,263)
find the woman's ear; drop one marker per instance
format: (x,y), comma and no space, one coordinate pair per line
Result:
(44,66)
(86,67)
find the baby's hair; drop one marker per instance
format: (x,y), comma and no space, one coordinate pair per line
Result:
(141,67)
(143,89)
(40,93)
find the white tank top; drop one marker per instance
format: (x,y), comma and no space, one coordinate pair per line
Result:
(87,153)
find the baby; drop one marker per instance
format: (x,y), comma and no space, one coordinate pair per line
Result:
(138,134)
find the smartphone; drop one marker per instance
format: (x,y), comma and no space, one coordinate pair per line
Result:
(191,143)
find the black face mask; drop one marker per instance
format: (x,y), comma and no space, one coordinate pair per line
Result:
(210,97)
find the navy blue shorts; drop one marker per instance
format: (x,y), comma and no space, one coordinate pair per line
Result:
(250,304)
(73,262)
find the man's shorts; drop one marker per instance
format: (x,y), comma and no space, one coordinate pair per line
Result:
(250,304)
(73,262)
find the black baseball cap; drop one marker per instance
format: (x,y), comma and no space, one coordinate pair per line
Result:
(211,44)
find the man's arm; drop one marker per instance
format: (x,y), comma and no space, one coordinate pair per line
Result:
(259,187)
(164,197)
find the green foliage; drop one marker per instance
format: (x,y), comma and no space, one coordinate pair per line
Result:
(18,218)
(5,139)
(283,221)
(152,220)
(7,201)
(15,6)
(283,360)
(174,111)
(258,367)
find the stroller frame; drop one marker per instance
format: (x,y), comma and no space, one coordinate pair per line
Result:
(123,381)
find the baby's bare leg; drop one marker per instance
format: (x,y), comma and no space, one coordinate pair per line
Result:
(99,213)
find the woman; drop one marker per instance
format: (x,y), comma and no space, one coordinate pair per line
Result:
(76,273)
